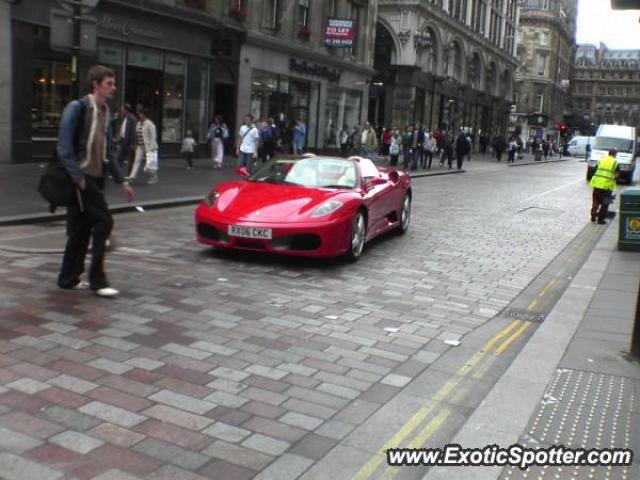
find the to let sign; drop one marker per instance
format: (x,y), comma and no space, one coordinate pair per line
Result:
(339,33)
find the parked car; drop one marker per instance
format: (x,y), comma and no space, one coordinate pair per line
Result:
(578,146)
(308,206)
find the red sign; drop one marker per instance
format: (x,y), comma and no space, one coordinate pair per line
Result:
(339,33)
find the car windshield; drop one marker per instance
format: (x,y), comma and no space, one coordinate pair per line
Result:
(308,172)
(607,143)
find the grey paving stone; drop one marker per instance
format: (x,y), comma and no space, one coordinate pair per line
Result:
(74,384)
(166,452)
(70,419)
(16,442)
(183,402)
(301,421)
(28,386)
(288,466)
(226,432)
(112,414)
(115,474)
(16,468)
(265,444)
(76,442)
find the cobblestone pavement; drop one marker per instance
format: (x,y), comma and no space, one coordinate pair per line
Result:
(232,366)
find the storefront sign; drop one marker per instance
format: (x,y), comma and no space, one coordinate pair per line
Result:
(127,28)
(339,33)
(313,69)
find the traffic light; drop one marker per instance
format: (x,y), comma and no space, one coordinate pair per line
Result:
(625,4)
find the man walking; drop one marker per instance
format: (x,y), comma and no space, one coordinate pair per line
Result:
(85,148)
(127,137)
(603,183)
(247,143)
(462,149)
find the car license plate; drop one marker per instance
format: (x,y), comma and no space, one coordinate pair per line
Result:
(250,232)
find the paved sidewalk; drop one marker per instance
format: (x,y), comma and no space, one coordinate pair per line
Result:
(21,203)
(573,384)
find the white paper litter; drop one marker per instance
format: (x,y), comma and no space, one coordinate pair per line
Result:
(223,279)
(454,343)
(140,209)
(590,360)
(547,399)
(391,329)
(331,317)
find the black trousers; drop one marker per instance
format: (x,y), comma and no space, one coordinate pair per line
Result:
(459,159)
(600,205)
(91,220)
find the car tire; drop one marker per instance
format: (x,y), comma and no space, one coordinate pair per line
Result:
(357,237)
(405,214)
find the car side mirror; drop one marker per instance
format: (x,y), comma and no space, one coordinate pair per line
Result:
(242,172)
(394,176)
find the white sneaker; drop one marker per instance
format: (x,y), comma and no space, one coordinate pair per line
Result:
(107,292)
(81,286)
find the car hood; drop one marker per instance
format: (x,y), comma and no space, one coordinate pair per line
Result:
(268,202)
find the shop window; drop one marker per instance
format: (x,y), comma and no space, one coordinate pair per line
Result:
(303,13)
(145,58)
(173,101)
(196,110)
(112,55)
(52,89)
(342,110)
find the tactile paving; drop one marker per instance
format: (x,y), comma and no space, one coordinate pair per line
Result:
(584,410)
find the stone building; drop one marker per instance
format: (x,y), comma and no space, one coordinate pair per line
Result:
(546,47)
(444,64)
(179,58)
(606,87)
(292,67)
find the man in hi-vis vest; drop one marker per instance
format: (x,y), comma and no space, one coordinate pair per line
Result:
(603,183)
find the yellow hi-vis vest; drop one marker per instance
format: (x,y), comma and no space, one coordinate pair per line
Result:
(604,178)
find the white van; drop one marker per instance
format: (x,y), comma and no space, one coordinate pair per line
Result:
(577,146)
(623,139)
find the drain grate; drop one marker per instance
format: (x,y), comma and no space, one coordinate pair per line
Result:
(525,315)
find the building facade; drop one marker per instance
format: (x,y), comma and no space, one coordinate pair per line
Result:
(5,83)
(179,58)
(445,64)
(546,48)
(291,69)
(606,87)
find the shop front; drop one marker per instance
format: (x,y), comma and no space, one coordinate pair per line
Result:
(289,89)
(180,66)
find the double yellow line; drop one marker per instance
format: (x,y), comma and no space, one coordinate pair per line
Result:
(497,345)
(440,396)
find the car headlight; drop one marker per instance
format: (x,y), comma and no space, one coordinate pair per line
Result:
(211,198)
(326,208)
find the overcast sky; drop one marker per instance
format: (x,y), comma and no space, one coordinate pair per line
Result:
(598,23)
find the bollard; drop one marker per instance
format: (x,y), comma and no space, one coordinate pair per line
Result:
(635,338)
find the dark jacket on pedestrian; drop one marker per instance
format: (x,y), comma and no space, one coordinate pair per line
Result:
(75,129)
(462,145)
(128,137)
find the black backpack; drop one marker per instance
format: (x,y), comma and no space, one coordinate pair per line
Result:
(55,185)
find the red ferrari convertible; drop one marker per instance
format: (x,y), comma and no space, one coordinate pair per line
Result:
(310,206)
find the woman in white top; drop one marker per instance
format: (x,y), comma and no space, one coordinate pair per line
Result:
(146,148)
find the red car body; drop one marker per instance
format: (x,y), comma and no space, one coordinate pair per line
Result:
(285,213)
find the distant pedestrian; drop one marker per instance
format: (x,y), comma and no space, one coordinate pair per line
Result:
(603,183)
(394,148)
(386,143)
(188,148)
(86,161)
(247,143)
(215,137)
(429,146)
(126,137)
(344,140)
(462,149)
(299,134)
(146,148)
(499,146)
(512,149)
